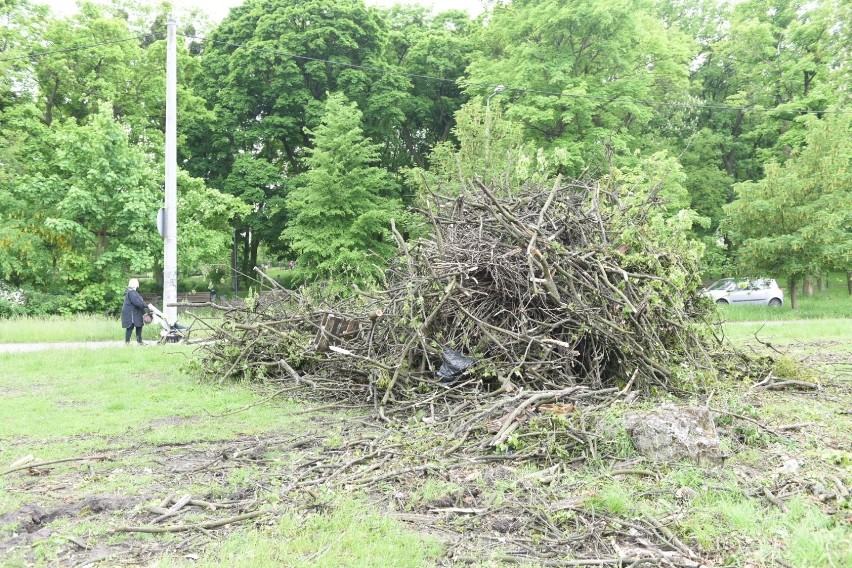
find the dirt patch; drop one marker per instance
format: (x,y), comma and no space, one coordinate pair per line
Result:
(28,524)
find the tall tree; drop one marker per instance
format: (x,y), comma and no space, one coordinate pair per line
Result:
(796,221)
(259,185)
(85,210)
(267,69)
(341,208)
(434,51)
(581,71)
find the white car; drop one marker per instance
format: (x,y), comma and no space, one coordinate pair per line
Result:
(746,292)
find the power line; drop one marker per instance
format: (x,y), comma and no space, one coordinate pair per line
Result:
(34,54)
(520,90)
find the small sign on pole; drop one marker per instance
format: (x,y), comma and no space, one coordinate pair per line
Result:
(161,221)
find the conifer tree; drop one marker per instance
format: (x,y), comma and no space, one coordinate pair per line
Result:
(341,207)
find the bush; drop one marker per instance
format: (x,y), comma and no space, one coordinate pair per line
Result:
(12,301)
(292,279)
(16,302)
(43,304)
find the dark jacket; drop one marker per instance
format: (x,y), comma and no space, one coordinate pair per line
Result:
(134,307)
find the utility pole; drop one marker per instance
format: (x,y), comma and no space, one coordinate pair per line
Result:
(170,212)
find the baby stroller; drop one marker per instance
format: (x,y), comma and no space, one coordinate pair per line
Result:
(172,332)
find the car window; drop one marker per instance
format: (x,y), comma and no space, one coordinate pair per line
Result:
(760,284)
(721,284)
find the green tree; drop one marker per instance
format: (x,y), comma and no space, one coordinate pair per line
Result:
(258,184)
(435,51)
(86,207)
(582,70)
(796,221)
(204,224)
(265,76)
(341,209)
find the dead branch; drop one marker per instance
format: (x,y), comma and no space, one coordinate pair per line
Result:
(64,460)
(190,527)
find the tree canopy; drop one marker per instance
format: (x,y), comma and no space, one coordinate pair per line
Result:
(305,126)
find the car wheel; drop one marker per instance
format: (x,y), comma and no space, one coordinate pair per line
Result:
(775,302)
(722,302)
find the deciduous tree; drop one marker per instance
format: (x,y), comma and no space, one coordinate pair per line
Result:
(796,221)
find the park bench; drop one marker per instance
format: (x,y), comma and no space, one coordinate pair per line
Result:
(151,298)
(194,297)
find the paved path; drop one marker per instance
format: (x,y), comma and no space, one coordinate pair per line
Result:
(28,347)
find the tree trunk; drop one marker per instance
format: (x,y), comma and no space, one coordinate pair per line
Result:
(255,243)
(809,286)
(849,281)
(235,280)
(244,263)
(794,301)
(823,283)
(159,279)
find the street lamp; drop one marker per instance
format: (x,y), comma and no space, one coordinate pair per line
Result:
(497,90)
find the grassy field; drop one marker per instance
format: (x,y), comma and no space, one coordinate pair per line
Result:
(80,328)
(834,302)
(791,332)
(65,329)
(138,408)
(167,434)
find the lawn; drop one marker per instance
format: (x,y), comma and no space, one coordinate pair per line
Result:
(85,328)
(834,302)
(163,434)
(157,425)
(65,329)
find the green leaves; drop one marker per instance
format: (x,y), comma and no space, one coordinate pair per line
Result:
(797,221)
(341,209)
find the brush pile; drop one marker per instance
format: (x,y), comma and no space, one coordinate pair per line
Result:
(550,294)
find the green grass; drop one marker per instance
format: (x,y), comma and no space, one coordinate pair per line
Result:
(115,390)
(835,302)
(790,332)
(347,534)
(54,329)
(138,406)
(84,328)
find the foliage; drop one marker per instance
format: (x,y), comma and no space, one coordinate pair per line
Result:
(342,207)
(713,93)
(94,224)
(12,301)
(579,69)
(204,233)
(796,221)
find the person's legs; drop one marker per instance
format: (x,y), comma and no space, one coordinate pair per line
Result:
(127,331)
(139,335)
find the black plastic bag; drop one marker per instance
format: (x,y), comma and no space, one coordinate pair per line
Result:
(454,365)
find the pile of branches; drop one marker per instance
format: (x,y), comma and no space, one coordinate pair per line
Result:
(561,289)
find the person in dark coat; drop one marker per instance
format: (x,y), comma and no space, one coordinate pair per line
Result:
(132,312)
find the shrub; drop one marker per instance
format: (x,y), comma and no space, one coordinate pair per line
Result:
(12,301)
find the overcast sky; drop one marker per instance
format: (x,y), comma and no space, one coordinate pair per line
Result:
(218,9)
